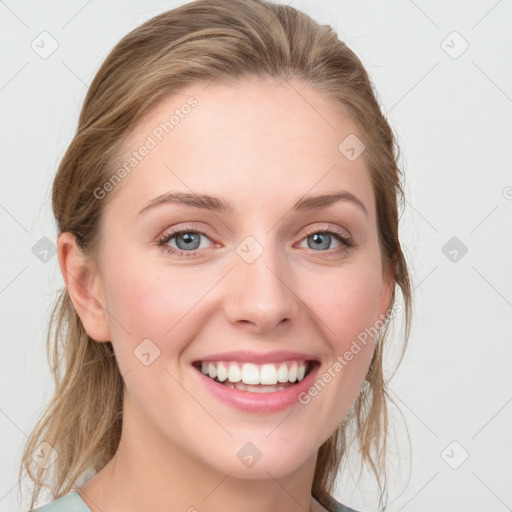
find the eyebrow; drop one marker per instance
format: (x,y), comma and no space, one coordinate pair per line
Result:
(207,202)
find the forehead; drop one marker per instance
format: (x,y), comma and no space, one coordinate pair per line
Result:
(257,140)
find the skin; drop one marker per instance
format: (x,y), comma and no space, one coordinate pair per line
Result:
(261,146)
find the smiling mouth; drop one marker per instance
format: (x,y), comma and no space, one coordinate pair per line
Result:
(248,378)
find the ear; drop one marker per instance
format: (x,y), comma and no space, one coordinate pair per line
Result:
(84,285)
(386,291)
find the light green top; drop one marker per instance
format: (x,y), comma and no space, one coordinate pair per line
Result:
(72,502)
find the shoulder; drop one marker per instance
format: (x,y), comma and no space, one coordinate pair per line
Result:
(336,506)
(70,502)
(330,505)
(342,508)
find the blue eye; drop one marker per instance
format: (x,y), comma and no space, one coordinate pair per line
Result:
(322,238)
(188,241)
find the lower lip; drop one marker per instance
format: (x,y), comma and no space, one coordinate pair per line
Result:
(259,402)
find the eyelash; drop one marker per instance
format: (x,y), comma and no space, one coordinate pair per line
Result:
(347,242)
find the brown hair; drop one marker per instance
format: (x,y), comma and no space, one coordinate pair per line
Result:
(200,42)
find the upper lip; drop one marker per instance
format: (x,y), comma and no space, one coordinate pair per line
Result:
(257,357)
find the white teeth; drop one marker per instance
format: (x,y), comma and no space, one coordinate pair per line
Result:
(292,373)
(282,373)
(251,374)
(234,373)
(222,372)
(268,374)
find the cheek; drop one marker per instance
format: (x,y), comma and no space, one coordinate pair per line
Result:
(345,304)
(346,301)
(160,306)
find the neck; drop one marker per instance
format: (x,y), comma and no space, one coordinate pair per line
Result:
(149,470)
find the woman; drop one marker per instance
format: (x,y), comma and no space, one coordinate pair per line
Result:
(228,238)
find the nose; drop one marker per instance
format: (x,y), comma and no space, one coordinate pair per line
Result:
(260,295)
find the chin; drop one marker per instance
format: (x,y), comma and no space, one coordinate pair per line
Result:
(255,461)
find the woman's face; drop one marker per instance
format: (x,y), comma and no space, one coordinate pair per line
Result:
(261,277)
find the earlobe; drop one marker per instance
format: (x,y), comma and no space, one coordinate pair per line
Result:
(84,287)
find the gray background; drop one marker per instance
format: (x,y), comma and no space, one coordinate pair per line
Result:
(450,107)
